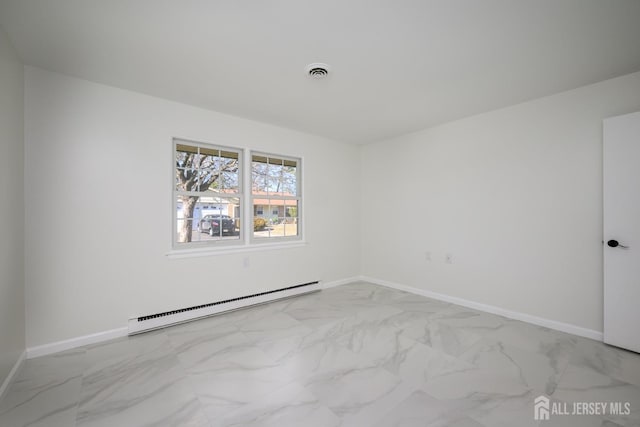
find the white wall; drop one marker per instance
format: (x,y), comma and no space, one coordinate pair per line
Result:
(98,205)
(12,341)
(515,195)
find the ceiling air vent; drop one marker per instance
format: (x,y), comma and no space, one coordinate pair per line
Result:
(318,70)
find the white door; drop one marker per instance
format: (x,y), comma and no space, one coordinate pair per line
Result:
(622,231)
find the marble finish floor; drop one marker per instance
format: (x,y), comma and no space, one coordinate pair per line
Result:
(356,355)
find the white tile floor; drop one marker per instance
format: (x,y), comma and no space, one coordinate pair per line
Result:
(357,355)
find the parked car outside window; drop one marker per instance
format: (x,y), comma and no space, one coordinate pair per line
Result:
(212,223)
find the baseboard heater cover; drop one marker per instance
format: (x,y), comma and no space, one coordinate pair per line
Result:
(150,322)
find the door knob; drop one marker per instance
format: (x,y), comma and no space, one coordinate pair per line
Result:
(615,244)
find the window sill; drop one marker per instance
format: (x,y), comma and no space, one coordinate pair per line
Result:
(227,250)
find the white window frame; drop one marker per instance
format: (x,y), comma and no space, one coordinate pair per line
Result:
(207,244)
(246,242)
(299,197)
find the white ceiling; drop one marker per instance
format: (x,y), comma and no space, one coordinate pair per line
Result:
(397,65)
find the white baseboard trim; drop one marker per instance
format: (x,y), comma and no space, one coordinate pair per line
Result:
(12,374)
(56,347)
(540,321)
(333,284)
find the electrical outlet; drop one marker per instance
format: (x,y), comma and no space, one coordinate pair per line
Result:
(448,258)
(245,262)
(427,256)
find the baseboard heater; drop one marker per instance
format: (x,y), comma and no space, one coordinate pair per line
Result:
(150,322)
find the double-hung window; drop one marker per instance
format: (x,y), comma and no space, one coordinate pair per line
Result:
(207,195)
(210,195)
(276,197)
